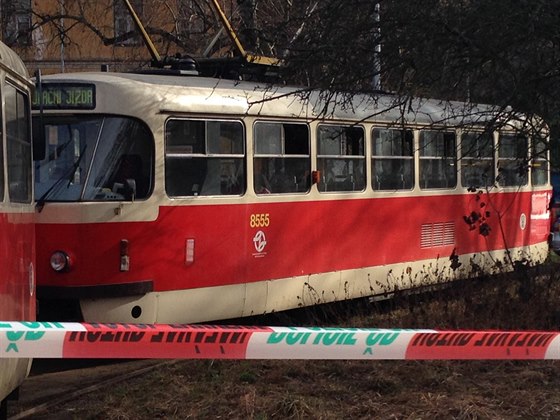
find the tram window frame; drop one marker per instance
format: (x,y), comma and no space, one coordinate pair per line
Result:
(282,157)
(187,163)
(390,156)
(437,151)
(341,159)
(512,160)
(477,157)
(539,160)
(17,113)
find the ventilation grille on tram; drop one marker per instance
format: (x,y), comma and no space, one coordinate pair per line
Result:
(437,234)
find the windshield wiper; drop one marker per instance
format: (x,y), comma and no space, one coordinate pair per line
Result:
(67,176)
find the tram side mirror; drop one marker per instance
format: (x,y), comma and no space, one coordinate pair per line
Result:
(39,141)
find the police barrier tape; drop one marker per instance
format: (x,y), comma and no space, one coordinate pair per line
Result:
(182,341)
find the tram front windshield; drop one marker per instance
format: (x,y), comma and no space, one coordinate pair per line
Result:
(92,158)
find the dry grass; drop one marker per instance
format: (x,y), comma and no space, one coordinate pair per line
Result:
(366,389)
(334,390)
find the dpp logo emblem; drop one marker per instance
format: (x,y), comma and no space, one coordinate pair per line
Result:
(259,241)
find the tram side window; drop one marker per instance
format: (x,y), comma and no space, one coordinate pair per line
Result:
(341,158)
(282,162)
(18,145)
(204,157)
(392,159)
(512,160)
(539,160)
(438,163)
(477,159)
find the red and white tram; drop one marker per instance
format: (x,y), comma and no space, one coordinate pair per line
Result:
(17,232)
(186,199)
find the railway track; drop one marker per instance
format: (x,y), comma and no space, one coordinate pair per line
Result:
(55,382)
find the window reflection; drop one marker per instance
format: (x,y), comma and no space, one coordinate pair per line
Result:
(94,159)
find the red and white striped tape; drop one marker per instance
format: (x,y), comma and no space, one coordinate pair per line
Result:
(181,341)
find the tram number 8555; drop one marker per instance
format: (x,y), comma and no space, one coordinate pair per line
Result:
(259,220)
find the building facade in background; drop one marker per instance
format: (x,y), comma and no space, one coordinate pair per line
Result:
(82,35)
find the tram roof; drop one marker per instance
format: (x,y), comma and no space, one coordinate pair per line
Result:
(192,94)
(11,62)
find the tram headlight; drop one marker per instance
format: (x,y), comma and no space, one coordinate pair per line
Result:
(60,261)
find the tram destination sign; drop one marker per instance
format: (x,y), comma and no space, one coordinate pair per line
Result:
(64,96)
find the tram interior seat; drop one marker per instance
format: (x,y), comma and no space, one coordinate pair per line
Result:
(512,175)
(222,178)
(388,182)
(472,177)
(281,182)
(437,173)
(430,176)
(185,176)
(278,175)
(340,183)
(386,178)
(341,175)
(433,182)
